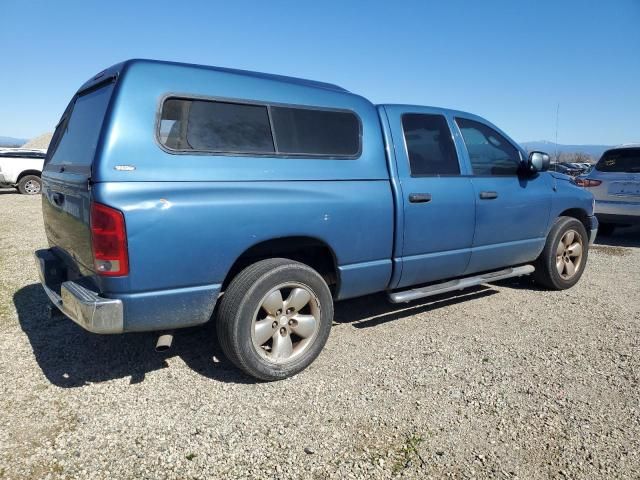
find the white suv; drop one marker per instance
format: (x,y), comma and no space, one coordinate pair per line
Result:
(21,168)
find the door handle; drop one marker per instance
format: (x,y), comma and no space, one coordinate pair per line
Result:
(420,197)
(488,195)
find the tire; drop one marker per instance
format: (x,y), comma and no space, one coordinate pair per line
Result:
(266,300)
(556,257)
(30,185)
(606,229)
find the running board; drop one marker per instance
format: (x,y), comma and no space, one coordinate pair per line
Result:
(410,295)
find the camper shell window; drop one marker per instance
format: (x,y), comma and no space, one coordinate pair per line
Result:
(194,125)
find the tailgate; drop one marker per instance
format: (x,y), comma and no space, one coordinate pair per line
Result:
(66,176)
(66,208)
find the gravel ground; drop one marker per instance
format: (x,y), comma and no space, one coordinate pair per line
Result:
(504,381)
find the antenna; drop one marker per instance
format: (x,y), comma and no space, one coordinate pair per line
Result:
(557,123)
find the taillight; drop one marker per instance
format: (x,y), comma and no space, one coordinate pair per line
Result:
(109,241)
(587,182)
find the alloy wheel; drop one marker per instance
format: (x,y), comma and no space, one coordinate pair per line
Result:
(569,254)
(32,187)
(286,322)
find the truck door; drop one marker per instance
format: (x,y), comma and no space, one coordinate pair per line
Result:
(436,205)
(512,209)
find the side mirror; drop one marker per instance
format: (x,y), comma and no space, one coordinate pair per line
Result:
(538,162)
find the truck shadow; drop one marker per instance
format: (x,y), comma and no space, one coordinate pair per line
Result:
(69,356)
(622,237)
(72,357)
(373,310)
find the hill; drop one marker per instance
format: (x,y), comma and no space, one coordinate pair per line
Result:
(41,141)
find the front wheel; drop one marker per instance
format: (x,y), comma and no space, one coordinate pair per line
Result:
(274,318)
(562,261)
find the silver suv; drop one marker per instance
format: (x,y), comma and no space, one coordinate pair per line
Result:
(615,184)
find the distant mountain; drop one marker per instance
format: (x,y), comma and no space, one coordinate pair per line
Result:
(595,151)
(12,142)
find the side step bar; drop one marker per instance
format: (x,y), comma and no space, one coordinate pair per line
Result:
(410,295)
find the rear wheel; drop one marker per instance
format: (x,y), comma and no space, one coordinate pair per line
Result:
(274,318)
(562,262)
(30,185)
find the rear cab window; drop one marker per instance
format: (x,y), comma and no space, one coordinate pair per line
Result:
(76,137)
(429,144)
(231,128)
(620,160)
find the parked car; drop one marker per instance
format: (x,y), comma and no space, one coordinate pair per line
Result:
(21,168)
(174,191)
(615,184)
(578,168)
(563,168)
(588,168)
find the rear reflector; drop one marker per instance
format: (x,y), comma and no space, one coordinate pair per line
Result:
(586,182)
(109,241)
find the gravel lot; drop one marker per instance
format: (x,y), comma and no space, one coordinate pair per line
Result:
(504,381)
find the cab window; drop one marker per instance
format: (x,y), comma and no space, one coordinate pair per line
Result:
(490,153)
(430,148)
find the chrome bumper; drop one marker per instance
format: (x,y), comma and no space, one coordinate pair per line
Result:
(85,307)
(617,207)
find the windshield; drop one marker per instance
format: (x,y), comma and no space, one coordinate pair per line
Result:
(621,160)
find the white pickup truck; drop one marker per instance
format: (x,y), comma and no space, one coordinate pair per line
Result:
(21,168)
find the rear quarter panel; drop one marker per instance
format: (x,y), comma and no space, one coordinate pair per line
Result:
(184,234)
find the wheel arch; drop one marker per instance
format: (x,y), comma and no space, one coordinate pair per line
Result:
(24,173)
(579,214)
(311,251)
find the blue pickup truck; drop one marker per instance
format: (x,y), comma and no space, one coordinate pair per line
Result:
(174,194)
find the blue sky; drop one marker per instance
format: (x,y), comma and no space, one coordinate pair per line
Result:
(509,61)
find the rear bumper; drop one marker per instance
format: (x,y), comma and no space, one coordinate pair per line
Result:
(614,211)
(123,312)
(85,307)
